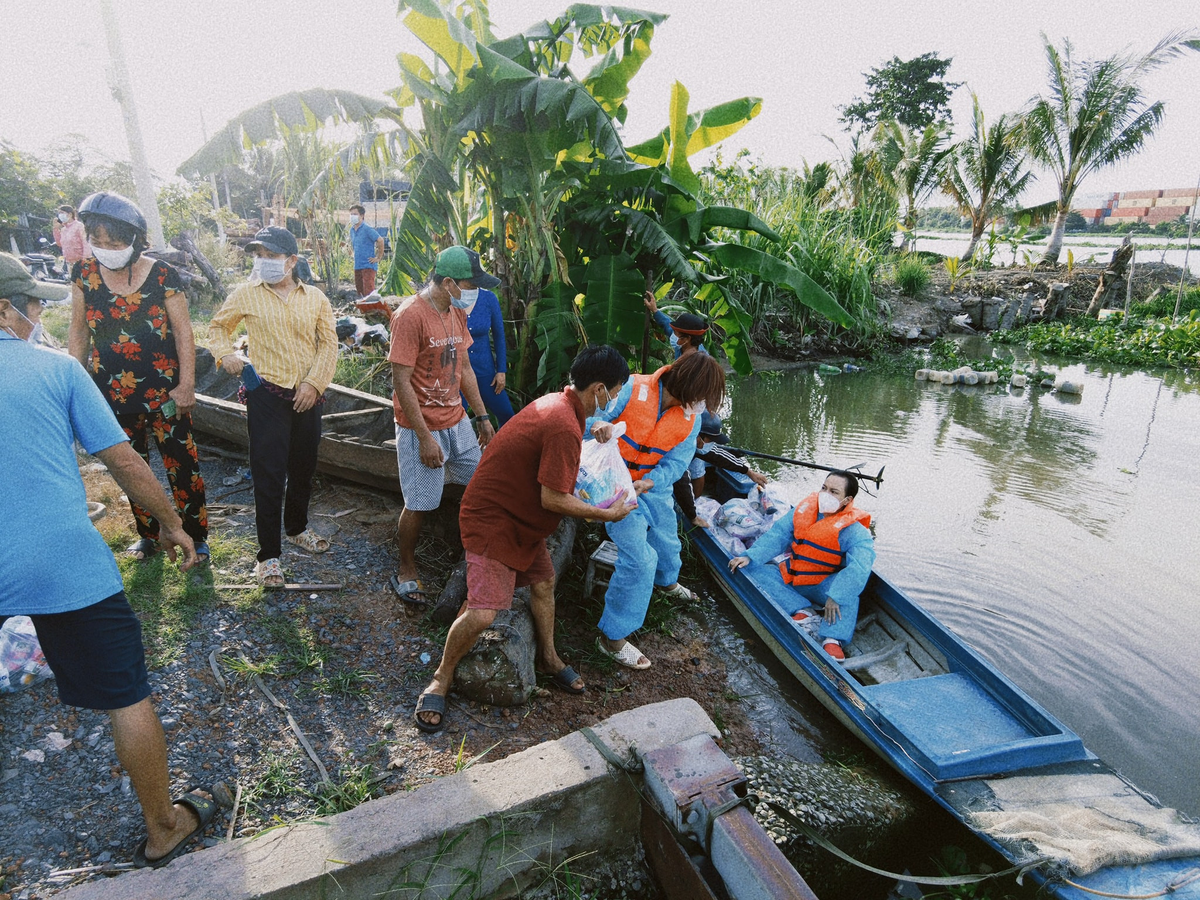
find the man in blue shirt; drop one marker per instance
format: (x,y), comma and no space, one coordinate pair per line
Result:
(367,246)
(56,568)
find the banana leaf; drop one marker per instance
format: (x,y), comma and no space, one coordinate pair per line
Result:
(556,331)
(613,312)
(729,317)
(775,271)
(448,37)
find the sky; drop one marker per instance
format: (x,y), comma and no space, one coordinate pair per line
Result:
(201,62)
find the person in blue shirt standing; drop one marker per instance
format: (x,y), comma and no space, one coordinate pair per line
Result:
(367,246)
(489,358)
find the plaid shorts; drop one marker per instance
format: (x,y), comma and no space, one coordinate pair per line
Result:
(421,485)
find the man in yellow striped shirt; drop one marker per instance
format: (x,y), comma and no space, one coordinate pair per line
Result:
(293,353)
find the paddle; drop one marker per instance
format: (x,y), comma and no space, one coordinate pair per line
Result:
(878,479)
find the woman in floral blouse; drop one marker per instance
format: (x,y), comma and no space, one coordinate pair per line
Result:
(130,328)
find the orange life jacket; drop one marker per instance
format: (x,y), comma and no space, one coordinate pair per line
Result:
(816,552)
(648,435)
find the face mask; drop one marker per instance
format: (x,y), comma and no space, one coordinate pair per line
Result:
(466,299)
(113,259)
(272,271)
(64,218)
(354,219)
(607,403)
(694,409)
(827,503)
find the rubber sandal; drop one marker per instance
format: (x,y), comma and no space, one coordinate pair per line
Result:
(202,554)
(679,592)
(565,680)
(409,591)
(269,569)
(204,809)
(309,540)
(627,656)
(430,702)
(143,549)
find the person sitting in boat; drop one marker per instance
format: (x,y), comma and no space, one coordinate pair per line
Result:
(709,452)
(661,413)
(824,552)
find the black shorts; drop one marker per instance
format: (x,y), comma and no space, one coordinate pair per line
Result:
(96,654)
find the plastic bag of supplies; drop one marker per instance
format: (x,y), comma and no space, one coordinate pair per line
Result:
(21,659)
(603,476)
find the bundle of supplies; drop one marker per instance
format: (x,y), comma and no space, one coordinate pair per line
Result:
(603,476)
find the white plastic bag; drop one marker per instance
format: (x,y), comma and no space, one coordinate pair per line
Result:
(741,518)
(603,476)
(21,659)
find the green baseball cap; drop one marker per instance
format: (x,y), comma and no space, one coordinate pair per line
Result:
(462,264)
(15,279)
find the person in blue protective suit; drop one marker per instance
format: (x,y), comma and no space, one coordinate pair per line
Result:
(489,357)
(685,332)
(661,413)
(820,554)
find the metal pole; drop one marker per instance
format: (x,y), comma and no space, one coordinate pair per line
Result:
(1187,252)
(123,93)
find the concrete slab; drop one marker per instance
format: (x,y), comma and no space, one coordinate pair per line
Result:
(495,825)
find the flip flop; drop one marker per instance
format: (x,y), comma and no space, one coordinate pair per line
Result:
(202,554)
(430,702)
(204,809)
(627,656)
(406,590)
(565,679)
(145,547)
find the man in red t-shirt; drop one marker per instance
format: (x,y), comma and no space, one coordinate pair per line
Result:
(521,490)
(435,443)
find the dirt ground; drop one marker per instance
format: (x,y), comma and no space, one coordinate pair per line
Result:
(345,665)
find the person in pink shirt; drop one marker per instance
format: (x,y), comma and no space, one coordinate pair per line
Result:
(68,234)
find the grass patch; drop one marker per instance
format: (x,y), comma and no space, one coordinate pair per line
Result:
(348,683)
(911,274)
(167,601)
(301,651)
(367,370)
(356,787)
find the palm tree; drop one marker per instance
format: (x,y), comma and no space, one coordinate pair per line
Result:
(1095,115)
(986,170)
(912,161)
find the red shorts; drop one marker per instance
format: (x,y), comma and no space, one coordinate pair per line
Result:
(364,281)
(490,583)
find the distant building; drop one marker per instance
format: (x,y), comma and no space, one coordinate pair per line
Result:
(1148,207)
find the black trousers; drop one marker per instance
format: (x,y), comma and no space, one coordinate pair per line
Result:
(283,459)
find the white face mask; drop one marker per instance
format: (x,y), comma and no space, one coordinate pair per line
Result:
(113,259)
(64,218)
(354,219)
(827,503)
(466,299)
(607,403)
(694,409)
(272,271)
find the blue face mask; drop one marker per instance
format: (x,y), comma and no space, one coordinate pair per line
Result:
(466,299)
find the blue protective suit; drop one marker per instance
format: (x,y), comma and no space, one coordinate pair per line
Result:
(663,321)
(843,586)
(647,539)
(485,321)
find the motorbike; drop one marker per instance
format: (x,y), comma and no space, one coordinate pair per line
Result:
(44,265)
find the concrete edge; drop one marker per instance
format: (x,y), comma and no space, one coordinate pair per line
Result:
(496,823)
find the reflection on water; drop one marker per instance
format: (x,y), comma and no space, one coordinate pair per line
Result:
(1056,536)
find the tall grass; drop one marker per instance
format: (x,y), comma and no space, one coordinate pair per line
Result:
(820,239)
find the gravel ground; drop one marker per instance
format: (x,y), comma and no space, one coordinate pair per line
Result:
(345,665)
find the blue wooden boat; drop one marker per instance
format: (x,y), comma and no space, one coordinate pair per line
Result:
(963,733)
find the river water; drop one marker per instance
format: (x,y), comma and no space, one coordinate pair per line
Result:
(1087,248)
(1056,534)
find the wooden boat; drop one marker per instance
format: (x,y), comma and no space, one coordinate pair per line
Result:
(962,732)
(359,436)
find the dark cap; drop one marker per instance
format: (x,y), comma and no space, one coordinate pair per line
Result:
(710,428)
(690,323)
(275,240)
(16,281)
(462,264)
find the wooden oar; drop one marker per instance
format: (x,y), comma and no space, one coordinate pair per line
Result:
(878,479)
